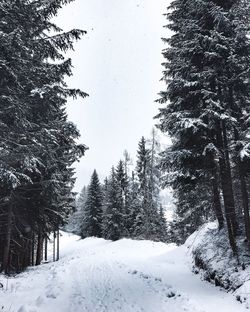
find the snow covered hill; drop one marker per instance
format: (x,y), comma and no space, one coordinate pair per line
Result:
(95,275)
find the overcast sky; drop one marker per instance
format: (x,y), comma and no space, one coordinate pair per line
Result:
(118,63)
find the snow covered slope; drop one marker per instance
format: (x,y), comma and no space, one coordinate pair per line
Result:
(215,261)
(95,275)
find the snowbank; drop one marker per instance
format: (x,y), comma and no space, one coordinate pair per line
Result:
(213,259)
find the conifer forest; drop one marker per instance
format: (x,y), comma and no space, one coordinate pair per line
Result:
(124,155)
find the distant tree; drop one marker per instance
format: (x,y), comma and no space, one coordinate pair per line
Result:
(162,234)
(154,179)
(113,223)
(75,220)
(134,216)
(92,209)
(148,181)
(122,180)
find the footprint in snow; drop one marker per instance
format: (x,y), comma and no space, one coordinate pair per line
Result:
(51,294)
(39,301)
(23,308)
(156,282)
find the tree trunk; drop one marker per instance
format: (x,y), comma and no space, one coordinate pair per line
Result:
(227,186)
(245,201)
(46,248)
(6,254)
(54,246)
(244,192)
(58,246)
(39,252)
(33,249)
(229,181)
(216,200)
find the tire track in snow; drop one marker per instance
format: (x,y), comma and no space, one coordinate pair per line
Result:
(94,275)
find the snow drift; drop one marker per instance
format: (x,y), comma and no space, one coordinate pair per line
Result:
(214,260)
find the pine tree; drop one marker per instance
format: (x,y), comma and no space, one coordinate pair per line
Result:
(206,66)
(134,216)
(154,170)
(113,218)
(92,218)
(123,185)
(148,177)
(38,144)
(74,223)
(161,226)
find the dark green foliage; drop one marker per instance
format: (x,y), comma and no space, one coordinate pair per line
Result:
(113,217)
(130,202)
(207,97)
(147,225)
(38,143)
(91,223)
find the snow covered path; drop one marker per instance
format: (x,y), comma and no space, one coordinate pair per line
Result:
(95,275)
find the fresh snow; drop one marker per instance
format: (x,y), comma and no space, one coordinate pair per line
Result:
(94,275)
(212,250)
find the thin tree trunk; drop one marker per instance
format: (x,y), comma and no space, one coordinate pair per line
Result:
(229,181)
(245,201)
(244,192)
(6,255)
(216,191)
(46,248)
(39,248)
(216,200)
(30,251)
(54,246)
(33,249)
(58,246)
(227,189)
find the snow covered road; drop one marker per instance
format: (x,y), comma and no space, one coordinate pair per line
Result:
(95,275)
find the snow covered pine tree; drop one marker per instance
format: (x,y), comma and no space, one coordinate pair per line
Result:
(75,220)
(206,69)
(91,223)
(37,142)
(113,223)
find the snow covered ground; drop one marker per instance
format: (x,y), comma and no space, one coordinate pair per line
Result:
(211,249)
(94,275)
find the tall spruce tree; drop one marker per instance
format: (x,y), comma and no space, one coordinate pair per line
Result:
(161,222)
(148,175)
(206,68)
(134,216)
(92,212)
(75,220)
(38,144)
(123,186)
(113,223)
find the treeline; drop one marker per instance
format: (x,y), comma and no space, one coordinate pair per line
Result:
(127,204)
(37,142)
(206,69)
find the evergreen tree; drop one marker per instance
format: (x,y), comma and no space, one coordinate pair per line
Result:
(154,170)
(38,144)
(134,216)
(161,226)
(92,212)
(206,67)
(123,186)
(75,220)
(148,177)
(113,218)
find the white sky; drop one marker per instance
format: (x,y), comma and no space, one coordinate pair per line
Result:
(119,64)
